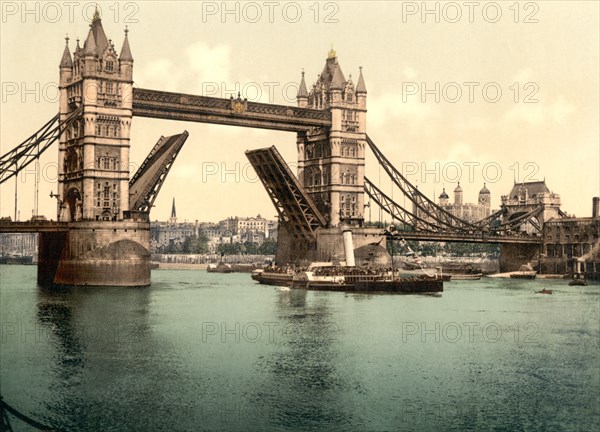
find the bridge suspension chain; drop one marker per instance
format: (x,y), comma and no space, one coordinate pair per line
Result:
(12,162)
(396,211)
(512,224)
(429,216)
(425,206)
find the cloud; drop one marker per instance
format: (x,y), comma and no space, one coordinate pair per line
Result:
(390,107)
(209,64)
(158,74)
(202,68)
(472,123)
(524,75)
(410,73)
(540,114)
(560,110)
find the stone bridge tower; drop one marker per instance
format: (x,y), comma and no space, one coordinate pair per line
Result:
(102,245)
(331,162)
(527,196)
(524,198)
(94,152)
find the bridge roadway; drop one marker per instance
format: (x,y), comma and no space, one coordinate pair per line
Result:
(53,226)
(33,227)
(469,238)
(237,112)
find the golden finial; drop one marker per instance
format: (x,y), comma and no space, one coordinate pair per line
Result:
(332,53)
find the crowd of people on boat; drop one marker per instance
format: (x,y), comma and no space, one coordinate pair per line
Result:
(287,269)
(350,271)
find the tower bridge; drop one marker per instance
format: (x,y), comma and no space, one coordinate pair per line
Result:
(101,236)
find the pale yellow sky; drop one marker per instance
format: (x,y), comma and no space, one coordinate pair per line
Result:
(544,124)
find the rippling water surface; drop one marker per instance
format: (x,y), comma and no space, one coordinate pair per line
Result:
(199,351)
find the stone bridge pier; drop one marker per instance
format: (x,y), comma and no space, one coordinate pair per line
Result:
(96,253)
(513,256)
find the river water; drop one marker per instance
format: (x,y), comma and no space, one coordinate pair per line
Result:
(203,351)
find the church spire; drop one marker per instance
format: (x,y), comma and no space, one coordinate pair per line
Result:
(125,50)
(173,218)
(66,61)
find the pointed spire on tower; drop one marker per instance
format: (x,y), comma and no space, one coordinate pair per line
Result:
(66,61)
(302,91)
(96,14)
(99,35)
(125,50)
(337,81)
(89,47)
(361,87)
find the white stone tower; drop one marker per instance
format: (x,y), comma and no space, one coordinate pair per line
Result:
(331,163)
(444,198)
(458,195)
(93,156)
(485,198)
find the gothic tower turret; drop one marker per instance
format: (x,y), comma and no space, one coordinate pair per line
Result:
(331,162)
(302,96)
(94,151)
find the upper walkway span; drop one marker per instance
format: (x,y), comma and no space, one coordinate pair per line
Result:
(236,112)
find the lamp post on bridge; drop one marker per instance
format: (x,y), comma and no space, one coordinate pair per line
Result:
(58,203)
